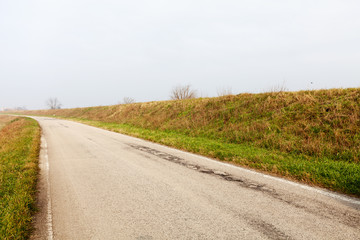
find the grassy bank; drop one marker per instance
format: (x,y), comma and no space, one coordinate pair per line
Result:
(310,136)
(4,119)
(19,149)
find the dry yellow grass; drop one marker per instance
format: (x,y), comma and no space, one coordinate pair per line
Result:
(309,136)
(4,119)
(323,123)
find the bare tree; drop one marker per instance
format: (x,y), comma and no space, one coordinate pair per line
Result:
(182,92)
(53,103)
(128,100)
(21,108)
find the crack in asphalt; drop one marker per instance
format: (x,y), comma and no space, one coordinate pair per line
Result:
(345,218)
(202,169)
(269,230)
(265,228)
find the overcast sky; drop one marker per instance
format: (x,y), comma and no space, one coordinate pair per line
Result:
(91,52)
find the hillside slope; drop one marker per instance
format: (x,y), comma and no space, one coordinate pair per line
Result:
(317,126)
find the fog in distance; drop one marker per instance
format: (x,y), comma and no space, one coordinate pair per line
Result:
(88,53)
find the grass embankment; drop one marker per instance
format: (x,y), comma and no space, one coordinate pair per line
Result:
(309,136)
(4,119)
(19,149)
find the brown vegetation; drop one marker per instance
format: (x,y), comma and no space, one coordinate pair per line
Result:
(4,119)
(323,123)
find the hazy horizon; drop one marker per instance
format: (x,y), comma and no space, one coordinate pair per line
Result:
(90,53)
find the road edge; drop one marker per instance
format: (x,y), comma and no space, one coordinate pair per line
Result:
(42,221)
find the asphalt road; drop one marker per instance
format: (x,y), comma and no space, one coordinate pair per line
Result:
(97,184)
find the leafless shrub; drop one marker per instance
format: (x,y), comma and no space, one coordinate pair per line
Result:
(53,103)
(224,92)
(21,108)
(128,100)
(182,92)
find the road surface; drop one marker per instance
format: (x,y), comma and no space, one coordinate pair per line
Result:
(97,184)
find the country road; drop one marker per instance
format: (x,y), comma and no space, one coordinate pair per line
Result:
(96,184)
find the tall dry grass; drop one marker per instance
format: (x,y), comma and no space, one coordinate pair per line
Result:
(4,119)
(322,123)
(19,149)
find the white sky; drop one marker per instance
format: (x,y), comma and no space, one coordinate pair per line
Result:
(88,52)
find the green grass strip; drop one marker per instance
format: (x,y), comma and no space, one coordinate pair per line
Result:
(335,175)
(19,152)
